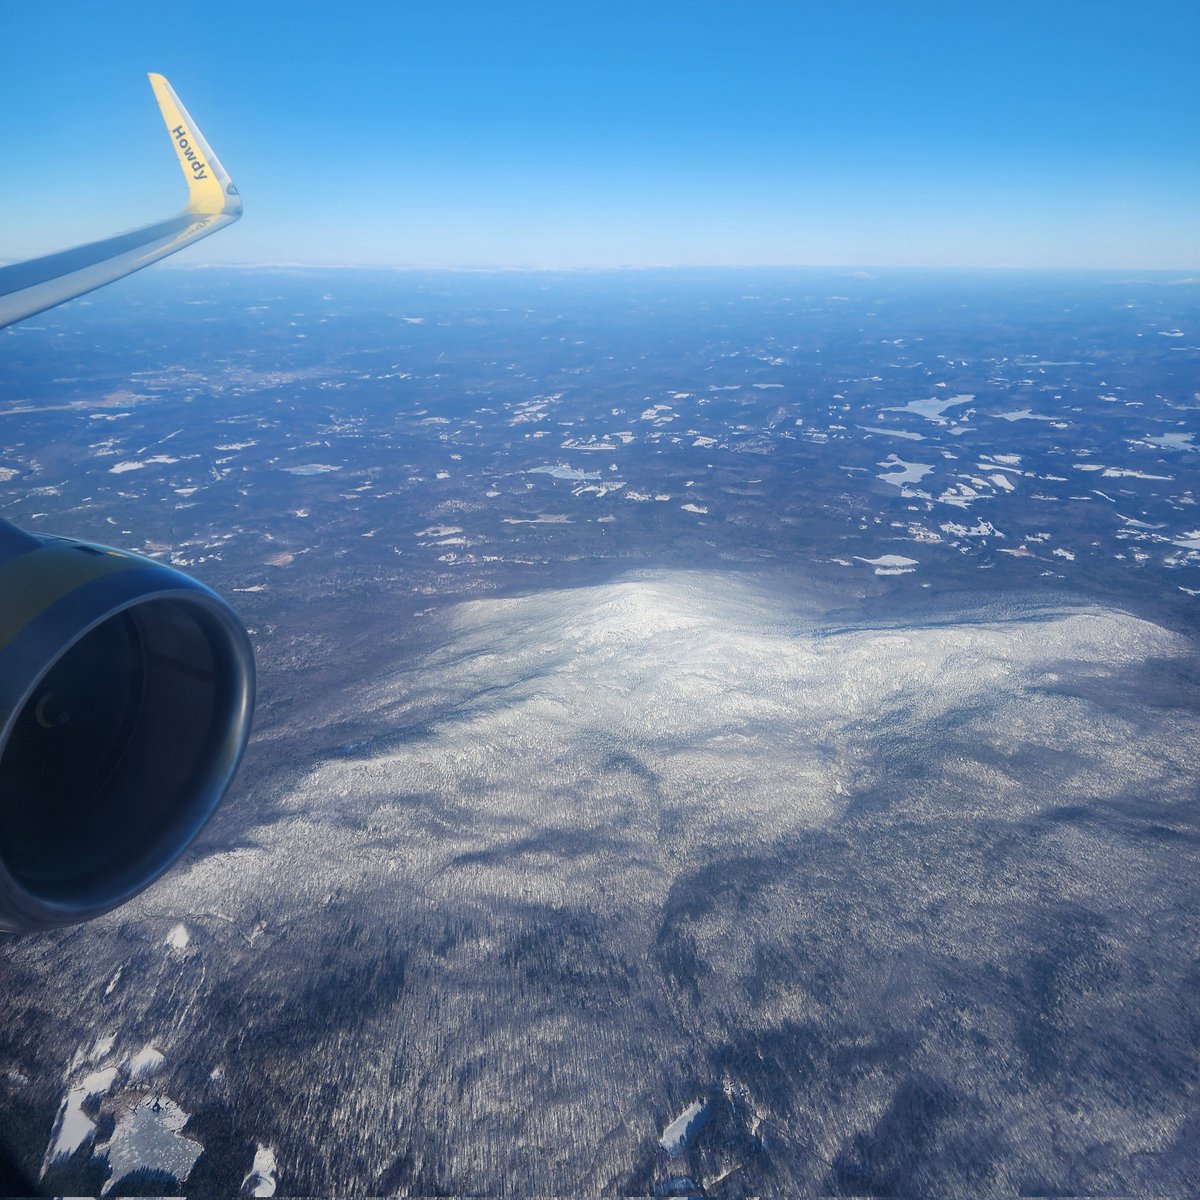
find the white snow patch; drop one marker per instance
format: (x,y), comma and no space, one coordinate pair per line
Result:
(1174,441)
(659,413)
(74,1128)
(145,1062)
(900,433)
(150,1136)
(103,1045)
(675,1137)
(981,529)
(311,469)
(564,471)
(933,408)
(960,495)
(1125,473)
(1022,414)
(890,564)
(900,472)
(263,1177)
(99,1082)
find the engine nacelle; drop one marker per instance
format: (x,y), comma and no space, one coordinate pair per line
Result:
(126,694)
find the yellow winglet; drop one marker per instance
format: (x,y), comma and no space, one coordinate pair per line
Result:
(210,190)
(32,287)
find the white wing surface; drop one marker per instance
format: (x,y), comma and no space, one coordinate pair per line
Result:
(31,287)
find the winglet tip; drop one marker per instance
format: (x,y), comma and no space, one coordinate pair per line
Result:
(210,189)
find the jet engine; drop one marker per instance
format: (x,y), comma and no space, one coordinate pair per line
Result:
(126,694)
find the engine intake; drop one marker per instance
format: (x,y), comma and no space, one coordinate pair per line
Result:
(126,695)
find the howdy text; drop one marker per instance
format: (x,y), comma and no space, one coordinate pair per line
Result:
(190,156)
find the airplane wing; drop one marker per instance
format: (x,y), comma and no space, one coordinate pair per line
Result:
(31,287)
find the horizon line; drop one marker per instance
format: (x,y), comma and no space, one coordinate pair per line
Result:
(864,270)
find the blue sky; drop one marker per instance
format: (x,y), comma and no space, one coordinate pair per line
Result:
(589,134)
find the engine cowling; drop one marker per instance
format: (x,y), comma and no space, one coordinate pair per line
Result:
(126,695)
